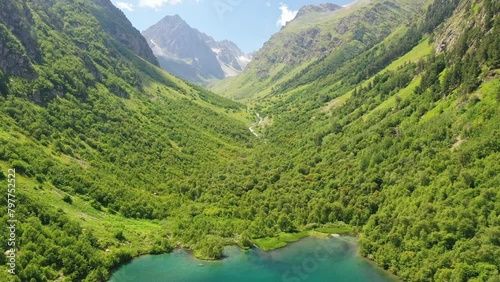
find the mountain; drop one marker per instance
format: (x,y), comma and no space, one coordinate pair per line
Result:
(191,54)
(313,11)
(317,32)
(232,60)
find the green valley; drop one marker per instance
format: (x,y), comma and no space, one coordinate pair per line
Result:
(380,119)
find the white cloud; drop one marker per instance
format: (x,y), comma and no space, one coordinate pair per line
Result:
(286,15)
(155,4)
(124,6)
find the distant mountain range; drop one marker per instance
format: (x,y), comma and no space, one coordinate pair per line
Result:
(192,55)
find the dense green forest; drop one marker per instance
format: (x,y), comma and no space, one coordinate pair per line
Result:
(105,144)
(400,140)
(115,158)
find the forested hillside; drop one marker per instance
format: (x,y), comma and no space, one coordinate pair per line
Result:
(395,136)
(401,139)
(100,139)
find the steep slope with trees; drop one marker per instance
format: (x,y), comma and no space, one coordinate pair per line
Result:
(401,139)
(100,139)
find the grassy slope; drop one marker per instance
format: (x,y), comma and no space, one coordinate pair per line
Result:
(139,233)
(422,50)
(282,239)
(419,52)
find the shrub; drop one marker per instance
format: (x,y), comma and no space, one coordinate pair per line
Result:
(68,199)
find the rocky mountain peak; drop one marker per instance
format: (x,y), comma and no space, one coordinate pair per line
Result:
(318,8)
(192,55)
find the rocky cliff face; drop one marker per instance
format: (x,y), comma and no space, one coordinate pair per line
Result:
(191,54)
(319,8)
(182,50)
(18,45)
(62,47)
(120,28)
(230,57)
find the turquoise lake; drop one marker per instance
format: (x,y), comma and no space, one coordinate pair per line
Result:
(310,259)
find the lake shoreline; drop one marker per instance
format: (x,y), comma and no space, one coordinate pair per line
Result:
(320,235)
(185,257)
(372,262)
(282,239)
(279,241)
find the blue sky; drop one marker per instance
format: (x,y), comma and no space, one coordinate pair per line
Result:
(248,23)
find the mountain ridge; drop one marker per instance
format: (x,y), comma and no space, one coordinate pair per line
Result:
(318,8)
(306,40)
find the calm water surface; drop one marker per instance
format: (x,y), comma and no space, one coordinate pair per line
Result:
(310,259)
